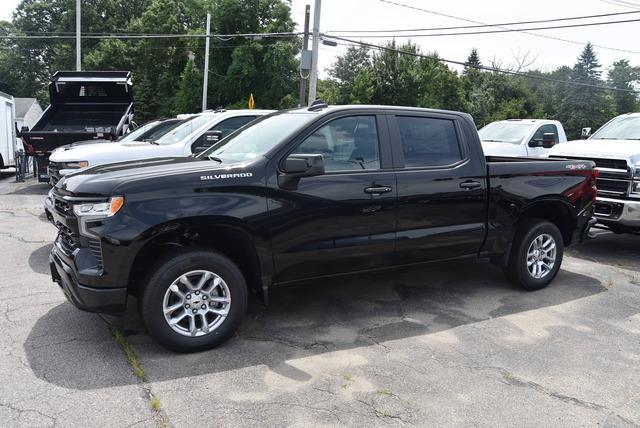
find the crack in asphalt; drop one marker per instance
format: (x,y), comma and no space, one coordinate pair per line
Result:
(382,415)
(23,240)
(22,411)
(292,343)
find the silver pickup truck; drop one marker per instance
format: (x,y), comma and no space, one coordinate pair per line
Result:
(615,149)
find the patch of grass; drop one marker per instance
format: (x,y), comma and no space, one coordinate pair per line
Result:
(347,378)
(131,355)
(155,403)
(608,284)
(383,391)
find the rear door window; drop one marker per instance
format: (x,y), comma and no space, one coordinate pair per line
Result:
(428,142)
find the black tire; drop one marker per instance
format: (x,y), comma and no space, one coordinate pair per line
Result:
(517,269)
(169,269)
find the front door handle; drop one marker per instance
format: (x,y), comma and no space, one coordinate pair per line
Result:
(377,190)
(469,185)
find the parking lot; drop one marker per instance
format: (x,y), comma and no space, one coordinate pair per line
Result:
(446,344)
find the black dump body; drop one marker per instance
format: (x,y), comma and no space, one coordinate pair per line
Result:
(85,105)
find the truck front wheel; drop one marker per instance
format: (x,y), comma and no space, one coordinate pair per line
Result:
(193,300)
(536,254)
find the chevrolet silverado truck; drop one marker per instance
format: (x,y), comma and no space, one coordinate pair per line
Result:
(309,193)
(194,134)
(149,131)
(521,137)
(615,150)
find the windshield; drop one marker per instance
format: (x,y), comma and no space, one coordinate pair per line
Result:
(133,135)
(257,139)
(504,132)
(185,130)
(620,128)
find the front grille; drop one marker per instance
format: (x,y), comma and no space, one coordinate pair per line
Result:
(96,249)
(612,187)
(54,172)
(67,239)
(63,207)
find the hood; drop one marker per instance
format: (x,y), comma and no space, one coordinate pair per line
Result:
(628,150)
(81,143)
(100,153)
(152,174)
(492,148)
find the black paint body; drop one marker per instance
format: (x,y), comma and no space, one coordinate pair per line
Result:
(323,225)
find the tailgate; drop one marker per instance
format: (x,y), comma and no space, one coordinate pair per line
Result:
(43,142)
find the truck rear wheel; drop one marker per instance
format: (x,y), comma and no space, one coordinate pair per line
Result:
(193,300)
(536,254)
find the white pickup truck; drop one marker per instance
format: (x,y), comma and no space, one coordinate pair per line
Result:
(615,149)
(196,133)
(521,137)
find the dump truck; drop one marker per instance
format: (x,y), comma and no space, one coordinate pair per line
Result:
(85,105)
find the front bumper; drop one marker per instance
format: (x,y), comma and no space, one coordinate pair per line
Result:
(622,212)
(104,300)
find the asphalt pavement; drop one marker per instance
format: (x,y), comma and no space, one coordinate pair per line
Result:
(450,344)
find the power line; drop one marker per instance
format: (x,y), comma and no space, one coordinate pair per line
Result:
(461,27)
(544,36)
(630,5)
(507,30)
(152,36)
(479,67)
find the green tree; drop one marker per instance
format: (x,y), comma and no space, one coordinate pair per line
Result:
(189,96)
(623,76)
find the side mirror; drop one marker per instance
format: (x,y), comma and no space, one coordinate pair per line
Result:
(548,140)
(535,143)
(207,140)
(586,133)
(303,165)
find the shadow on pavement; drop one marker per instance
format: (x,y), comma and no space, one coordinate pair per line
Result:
(611,249)
(32,189)
(39,259)
(315,318)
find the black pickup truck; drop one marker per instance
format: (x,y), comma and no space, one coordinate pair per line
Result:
(85,105)
(304,194)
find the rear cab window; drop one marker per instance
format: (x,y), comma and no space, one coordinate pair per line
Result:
(429,141)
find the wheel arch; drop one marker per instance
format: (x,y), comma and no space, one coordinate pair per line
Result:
(555,211)
(232,238)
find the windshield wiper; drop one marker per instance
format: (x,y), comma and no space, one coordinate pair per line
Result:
(215,158)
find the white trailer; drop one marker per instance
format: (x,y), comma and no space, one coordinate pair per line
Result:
(8,142)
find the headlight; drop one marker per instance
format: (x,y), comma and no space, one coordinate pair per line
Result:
(75,165)
(636,172)
(99,209)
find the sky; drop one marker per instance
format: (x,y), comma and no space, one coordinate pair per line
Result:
(548,54)
(502,47)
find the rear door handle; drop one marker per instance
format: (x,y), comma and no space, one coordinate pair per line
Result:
(377,190)
(468,185)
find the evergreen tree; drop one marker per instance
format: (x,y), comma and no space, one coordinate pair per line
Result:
(623,76)
(188,99)
(585,106)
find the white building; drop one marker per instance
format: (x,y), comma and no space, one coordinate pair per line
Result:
(28,111)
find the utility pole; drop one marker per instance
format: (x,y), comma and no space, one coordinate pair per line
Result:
(313,77)
(205,84)
(304,56)
(78,48)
